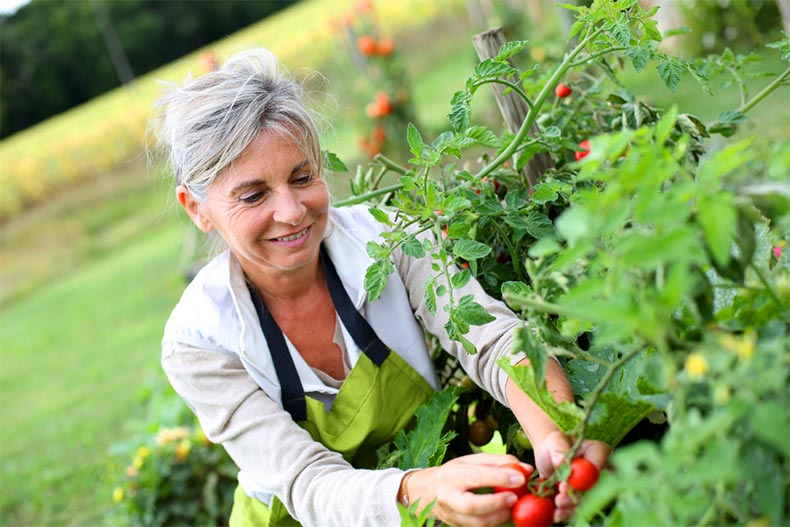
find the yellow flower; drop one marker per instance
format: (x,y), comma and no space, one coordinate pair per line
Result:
(182,450)
(117,494)
(696,366)
(138,462)
(168,435)
(143,452)
(742,346)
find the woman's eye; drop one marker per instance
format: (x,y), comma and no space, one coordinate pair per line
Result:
(303,179)
(252,197)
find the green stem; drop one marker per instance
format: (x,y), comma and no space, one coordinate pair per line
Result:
(532,115)
(510,85)
(768,288)
(539,305)
(765,92)
(368,195)
(392,165)
(594,56)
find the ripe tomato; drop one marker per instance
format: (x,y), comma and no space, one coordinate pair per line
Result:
(580,155)
(522,489)
(533,511)
(479,433)
(583,474)
(366,44)
(562,90)
(385,47)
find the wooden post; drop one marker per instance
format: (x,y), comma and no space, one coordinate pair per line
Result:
(512,106)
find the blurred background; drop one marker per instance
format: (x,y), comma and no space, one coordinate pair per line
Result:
(94,253)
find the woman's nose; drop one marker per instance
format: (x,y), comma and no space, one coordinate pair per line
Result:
(288,208)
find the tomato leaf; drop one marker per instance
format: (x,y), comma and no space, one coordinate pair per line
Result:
(470,311)
(470,249)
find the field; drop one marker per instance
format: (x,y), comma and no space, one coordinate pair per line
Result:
(90,275)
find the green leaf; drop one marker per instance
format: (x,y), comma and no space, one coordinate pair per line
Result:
(783,46)
(518,288)
(483,135)
(614,417)
(574,224)
(425,445)
(380,216)
(718,217)
(461,111)
(769,423)
(539,225)
(620,31)
(544,193)
(430,296)
(670,69)
(375,280)
(511,48)
(413,247)
(492,69)
(640,56)
(461,279)
(470,249)
(473,313)
(407,182)
(333,163)
(666,124)
(416,144)
(565,415)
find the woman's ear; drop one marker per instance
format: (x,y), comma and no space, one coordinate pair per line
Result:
(193,208)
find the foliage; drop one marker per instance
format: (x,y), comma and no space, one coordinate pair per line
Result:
(176,476)
(54,56)
(650,264)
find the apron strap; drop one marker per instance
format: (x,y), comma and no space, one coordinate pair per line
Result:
(291,391)
(364,336)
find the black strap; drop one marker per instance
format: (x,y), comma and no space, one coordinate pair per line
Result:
(364,336)
(292,392)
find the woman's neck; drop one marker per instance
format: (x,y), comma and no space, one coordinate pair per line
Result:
(283,287)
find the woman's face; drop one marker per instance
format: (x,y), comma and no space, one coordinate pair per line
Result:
(270,206)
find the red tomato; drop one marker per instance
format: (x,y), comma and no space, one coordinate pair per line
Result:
(385,47)
(583,474)
(580,155)
(366,44)
(522,489)
(562,90)
(533,511)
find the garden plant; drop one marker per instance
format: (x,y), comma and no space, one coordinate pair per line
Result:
(649,263)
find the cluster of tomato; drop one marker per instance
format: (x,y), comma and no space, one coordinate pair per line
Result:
(369,47)
(562,91)
(535,505)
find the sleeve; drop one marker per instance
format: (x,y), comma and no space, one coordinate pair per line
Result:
(317,486)
(493,340)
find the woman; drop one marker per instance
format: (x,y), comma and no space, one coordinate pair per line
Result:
(275,347)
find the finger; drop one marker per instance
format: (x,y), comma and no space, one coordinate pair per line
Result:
(465,477)
(489,507)
(484,458)
(596,452)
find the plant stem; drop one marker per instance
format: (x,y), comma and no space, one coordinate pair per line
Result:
(510,85)
(765,92)
(768,288)
(589,58)
(366,196)
(392,165)
(539,305)
(532,115)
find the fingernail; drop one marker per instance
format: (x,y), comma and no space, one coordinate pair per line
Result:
(511,500)
(517,480)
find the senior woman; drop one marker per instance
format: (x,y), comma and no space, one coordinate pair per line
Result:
(275,346)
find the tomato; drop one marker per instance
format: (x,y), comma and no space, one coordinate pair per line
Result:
(522,489)
(583,474)
(562,91)
(479,433)
(545,491)
(533,511)
(385,47)
(366,44)
(580,155)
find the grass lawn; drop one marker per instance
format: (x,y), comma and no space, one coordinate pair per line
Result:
(89,279)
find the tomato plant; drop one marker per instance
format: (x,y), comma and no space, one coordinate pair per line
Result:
(646,267)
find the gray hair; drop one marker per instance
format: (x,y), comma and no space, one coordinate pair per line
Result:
(207,123)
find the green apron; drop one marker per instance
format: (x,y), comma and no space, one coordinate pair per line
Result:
(378,397)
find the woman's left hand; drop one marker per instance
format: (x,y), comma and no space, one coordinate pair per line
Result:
(551,453)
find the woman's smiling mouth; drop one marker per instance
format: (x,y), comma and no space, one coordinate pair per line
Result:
(293,237)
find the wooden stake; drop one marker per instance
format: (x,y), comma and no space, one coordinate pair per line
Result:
(513,108)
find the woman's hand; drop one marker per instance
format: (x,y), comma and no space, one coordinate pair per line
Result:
(551,453)
(452,485)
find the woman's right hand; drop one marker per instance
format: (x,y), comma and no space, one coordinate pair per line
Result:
(452,485)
